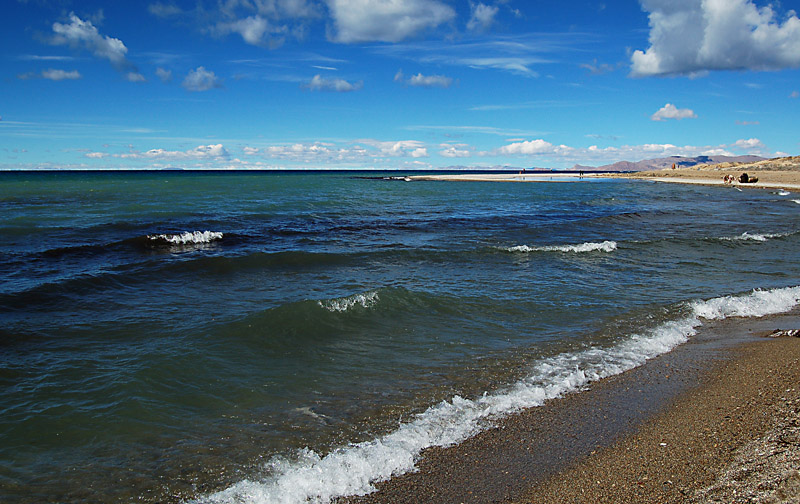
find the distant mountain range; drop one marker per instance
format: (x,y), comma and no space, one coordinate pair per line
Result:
(667,162)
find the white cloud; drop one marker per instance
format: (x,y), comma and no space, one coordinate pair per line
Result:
(164,10)
(386,20)
(482,16)
(515,54)
(527,148)
(750,144)
(693,36)
(319,83)
(420,80)
(59,75)
(596,68)
(670,111)
(201,79)
(199,152)
(454,151)
(135,77)
(163,74)
(250,151)
(96,155)
(79,33)
(253,30)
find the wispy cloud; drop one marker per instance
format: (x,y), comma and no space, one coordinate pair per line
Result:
(515,54)
(480,130)
(420,80)
(319,83)
(52,74)
(537,104)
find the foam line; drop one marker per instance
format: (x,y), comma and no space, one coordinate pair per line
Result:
(353,470)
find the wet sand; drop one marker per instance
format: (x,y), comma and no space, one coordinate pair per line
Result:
(668,431)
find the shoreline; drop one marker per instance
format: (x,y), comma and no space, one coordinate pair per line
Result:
(706,400)
(767,179)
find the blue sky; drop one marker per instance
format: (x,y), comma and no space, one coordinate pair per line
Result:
(393,84)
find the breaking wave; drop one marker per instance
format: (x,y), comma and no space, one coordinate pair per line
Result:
(353,470)
(187,238)
(605,246)
(756,236)
(343,304)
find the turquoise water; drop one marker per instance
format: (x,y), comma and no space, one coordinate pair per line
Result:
(214,336)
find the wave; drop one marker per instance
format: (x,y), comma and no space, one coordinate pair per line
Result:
(605,246)
(354,470)
(796,201)
(343,304)
(187,238)
(756,236)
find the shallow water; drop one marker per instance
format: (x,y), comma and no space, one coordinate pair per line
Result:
(166,336)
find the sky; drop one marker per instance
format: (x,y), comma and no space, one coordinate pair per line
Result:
(394,84)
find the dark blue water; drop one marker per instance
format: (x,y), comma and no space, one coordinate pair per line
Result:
(165,336)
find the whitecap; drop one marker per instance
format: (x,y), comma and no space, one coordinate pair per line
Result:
(354,470)
(605,246)
(343,304)
(755,236)
(189,237)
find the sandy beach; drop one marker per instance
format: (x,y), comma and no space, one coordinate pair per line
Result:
(702,424)
(772,179)
(771,174)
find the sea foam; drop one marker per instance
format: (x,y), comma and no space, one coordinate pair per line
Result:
(605,246)
(353,470)
(188,238)
(343,304)
(756,236)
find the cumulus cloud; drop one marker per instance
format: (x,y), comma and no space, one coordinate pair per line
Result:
(454,151)
(199,152)
(689,37)
(482,16)
(201,79)
(750,144)
(528,148)
(402,148)
(250,151)
(83,34)
(319,83)
(386,20)
(670,111)
(420,80)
